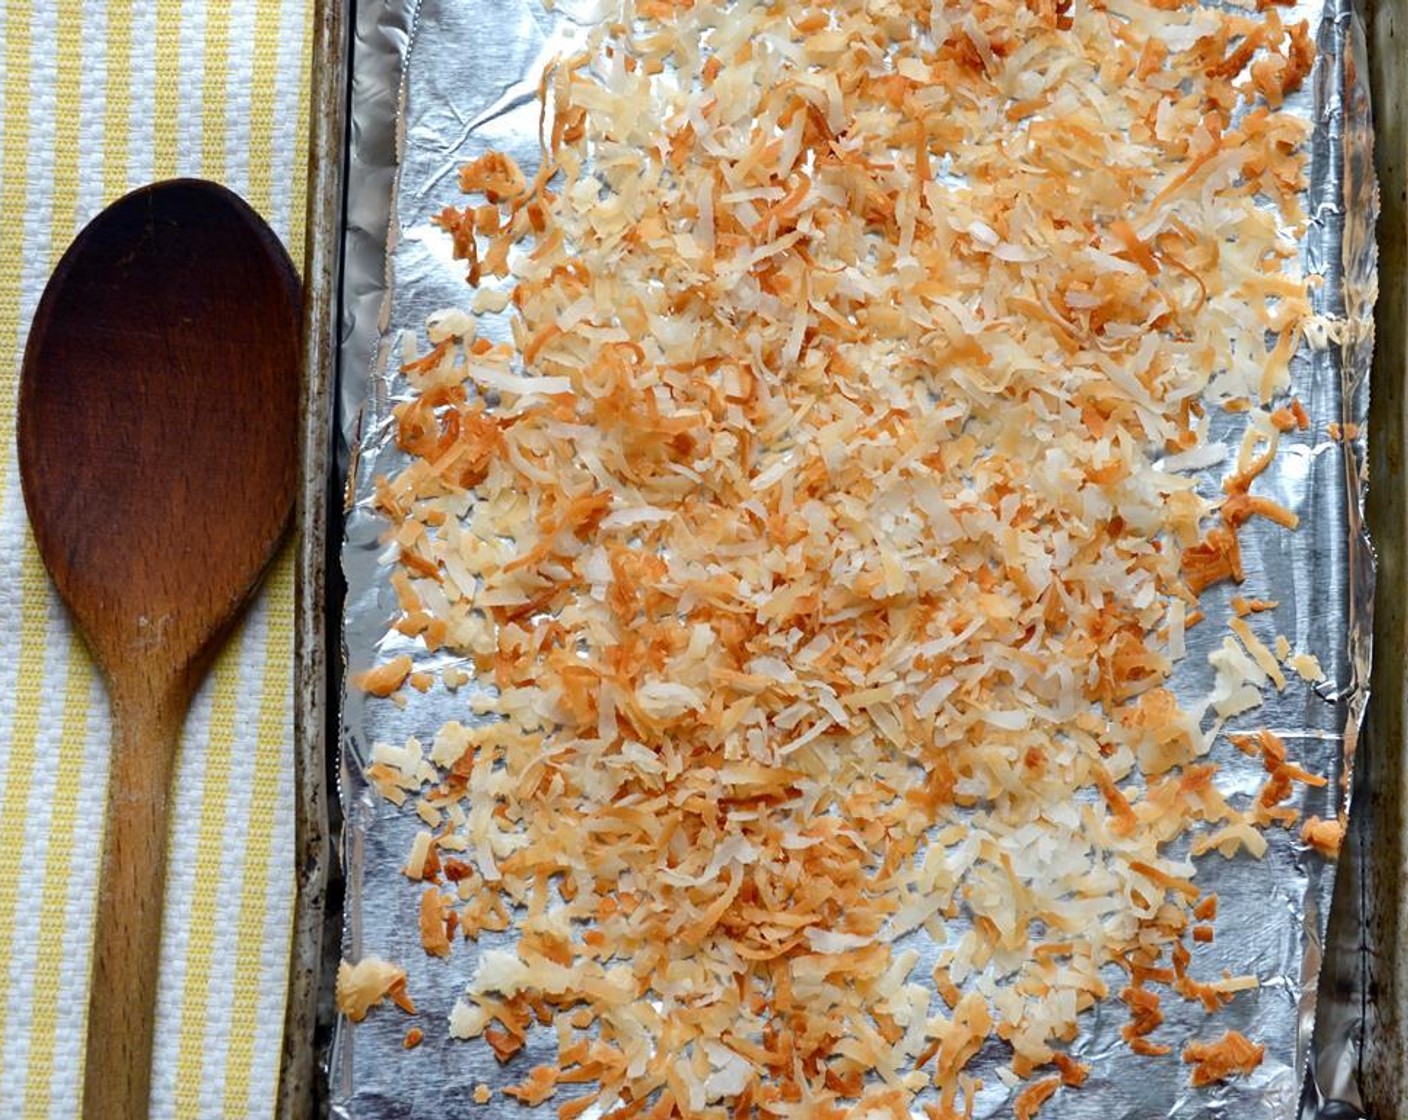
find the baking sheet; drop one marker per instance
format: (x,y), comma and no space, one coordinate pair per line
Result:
(308,940)
(468,84)
(1378,989)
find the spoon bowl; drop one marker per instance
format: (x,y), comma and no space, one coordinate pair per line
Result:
(157,447)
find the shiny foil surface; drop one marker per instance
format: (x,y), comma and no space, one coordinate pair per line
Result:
(436,83)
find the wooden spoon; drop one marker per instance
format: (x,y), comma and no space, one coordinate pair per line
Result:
(157,445)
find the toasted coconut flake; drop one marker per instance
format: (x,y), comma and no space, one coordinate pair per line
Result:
(1306,666)
(420,854)
(539,1085)
(363,985)
(1073,1073)
(1263,656)
(1223,1058)
(1029,1101)
(1326,837)
(384,679)
(434,935)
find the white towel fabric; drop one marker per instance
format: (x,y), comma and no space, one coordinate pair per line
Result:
(96,97)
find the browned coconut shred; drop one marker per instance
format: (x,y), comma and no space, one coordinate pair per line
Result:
(1223,1058)
(825,535)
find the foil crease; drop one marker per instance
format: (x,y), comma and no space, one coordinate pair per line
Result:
(436,83)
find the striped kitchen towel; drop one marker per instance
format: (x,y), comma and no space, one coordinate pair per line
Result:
(96,97)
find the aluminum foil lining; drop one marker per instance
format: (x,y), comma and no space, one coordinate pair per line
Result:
(436,83)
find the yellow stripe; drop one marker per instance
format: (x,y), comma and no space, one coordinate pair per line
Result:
(50,963)
(271,759)
(117,122)
(74,730)
(49,968)
(267,15)
(14,167)
(298,218)
(273,745)
(167,89)
(68,101)
(273,754)
(34,617)
(14,170)
(203,918)
(215,111)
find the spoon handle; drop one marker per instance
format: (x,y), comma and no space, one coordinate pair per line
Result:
(126,951)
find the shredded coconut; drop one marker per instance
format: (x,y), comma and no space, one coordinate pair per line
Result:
(821,534)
